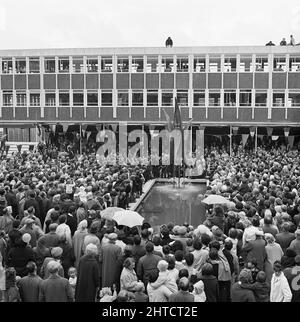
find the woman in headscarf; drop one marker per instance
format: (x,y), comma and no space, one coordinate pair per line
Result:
(274,253)
(78,238)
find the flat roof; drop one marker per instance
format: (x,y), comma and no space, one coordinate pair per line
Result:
(152,51)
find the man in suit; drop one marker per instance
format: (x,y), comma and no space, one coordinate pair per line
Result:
(55,288)
(30,285)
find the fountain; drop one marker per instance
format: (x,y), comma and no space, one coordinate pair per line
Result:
(177,199)
(179,203)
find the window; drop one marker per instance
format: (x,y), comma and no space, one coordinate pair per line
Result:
(278,99)
(49,65)
(230,98)
(152,98)
(137,65)
(294,63)
(34,99)
(106,98)
(214,98)
(122,98)
(167,98)
(78,99)
(92,64)
(63,64)
(64,99)
(50,99)
(34,65)
(123,65)
(182,64)
(246,97)
(137,98)
(294,99)
(7,66)
(214,64)
(167,64)
(246,64)
(92,99)
(78,66)
(20,65)
(279,64)
(7,98)
(199,98)
(182,97)
(21,99)
(261,64)
(199,64)
(261,98)
(106,64)
(229,64)
(152,64)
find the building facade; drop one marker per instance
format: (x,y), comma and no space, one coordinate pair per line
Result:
(215,86)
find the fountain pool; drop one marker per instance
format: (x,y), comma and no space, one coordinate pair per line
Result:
(166,202)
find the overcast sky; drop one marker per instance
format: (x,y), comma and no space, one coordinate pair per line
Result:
(140,23)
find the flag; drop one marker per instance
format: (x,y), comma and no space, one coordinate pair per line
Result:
(38,127)
(177,116)
(286,131)
(244,139)
(169,125)
(291,140)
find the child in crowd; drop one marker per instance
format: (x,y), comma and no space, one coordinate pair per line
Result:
(106,294)
(72,273)
(198,292)
(139,295)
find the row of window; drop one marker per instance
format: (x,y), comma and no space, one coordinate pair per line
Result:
(151,98)
(151,64)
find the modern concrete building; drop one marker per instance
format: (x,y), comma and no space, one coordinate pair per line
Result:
(215,86)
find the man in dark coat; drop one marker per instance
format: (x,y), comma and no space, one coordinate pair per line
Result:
(147,263)
(20,255)
(239,294)
(256,249)
(211,286)
(183,295)
(12,201)
(285,238)
(109,258)
(30,285)
(55,288)
(88,277)
(31,201)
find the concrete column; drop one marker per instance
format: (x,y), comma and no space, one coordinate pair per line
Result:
(200,140)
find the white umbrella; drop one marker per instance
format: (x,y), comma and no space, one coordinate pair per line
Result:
(128,218)
(215,200)
(109,212)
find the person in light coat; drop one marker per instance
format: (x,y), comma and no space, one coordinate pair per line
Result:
(280,290)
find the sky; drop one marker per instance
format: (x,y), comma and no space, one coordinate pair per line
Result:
(140,23)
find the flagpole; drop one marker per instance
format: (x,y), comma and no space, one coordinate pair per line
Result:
(80,145)
(230,141)
(255,139)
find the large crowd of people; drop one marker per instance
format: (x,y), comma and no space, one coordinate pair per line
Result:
(55,246)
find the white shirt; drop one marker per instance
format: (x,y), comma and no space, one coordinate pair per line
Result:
(161,294)
(280,289)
